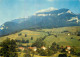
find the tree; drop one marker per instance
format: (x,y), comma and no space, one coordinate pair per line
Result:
(78,33)
(78,54)
(46,52)
(48,33)
(73,50)
(19,34)
(27,41)
(58,47)
(43,52)
(71,37)
(31,38)
(27,53)
(39,43)
(62,55)
(25,35)
(54,47)
(23,41)
(8,48)
(50,52)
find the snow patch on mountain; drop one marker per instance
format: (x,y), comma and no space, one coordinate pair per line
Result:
(60,13)
(2,28)
(69,11)
(6,27)
(43,14)
(74,18)
(3,25)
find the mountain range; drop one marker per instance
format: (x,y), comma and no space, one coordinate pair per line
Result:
(48,18)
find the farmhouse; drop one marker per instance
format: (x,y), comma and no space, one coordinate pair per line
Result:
(21,48)
(44,48)
(68,48)
(68,34)
(33,48)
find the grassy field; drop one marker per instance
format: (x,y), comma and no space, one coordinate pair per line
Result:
(63,39)
(21,54)
(64,35)
(29,33)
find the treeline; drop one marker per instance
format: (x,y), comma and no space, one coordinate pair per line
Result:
(24,41)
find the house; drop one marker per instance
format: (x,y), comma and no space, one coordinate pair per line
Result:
(30,47)
(68,34)
(33,48)
(44,48)
(68,47)
(21,48)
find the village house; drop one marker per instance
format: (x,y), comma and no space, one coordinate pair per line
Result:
(33,48)
(68,34)
(68,48)
(21,48)
(44,48)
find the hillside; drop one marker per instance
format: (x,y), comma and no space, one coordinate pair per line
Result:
(64,36)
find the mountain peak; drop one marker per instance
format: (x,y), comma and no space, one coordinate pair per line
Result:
(47,10)
(51,11)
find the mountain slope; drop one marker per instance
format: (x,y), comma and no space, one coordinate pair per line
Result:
(49,18)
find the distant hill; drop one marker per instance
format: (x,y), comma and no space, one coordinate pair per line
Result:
(42,19)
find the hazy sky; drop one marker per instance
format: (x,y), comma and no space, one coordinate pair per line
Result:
(13,9)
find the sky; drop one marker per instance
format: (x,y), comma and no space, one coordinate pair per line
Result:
(15,9)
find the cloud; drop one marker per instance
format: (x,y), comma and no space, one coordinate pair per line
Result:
(50,0)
